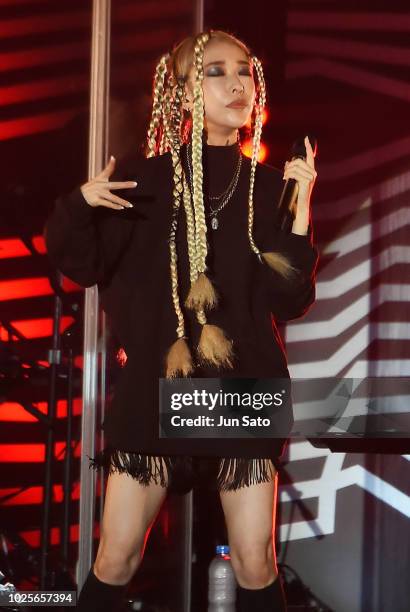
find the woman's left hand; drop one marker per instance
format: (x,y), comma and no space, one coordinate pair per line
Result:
(304,173)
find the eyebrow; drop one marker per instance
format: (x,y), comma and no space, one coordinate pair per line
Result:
(221,62)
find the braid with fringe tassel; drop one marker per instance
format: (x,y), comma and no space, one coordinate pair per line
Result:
(202,293)
(178,360)
(276,261)
(214,347)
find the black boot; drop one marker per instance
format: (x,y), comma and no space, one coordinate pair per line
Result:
(269,599)
(98,596)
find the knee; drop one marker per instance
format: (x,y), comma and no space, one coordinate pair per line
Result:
(115,564)
(253,565)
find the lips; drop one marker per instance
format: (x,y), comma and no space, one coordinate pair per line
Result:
(236,105)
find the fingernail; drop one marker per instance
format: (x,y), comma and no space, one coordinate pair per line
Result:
(112,157)
(130,206)
(135,183)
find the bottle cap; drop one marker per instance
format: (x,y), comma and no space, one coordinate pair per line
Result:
(222,549)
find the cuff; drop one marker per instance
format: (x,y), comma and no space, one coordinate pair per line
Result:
(299,249)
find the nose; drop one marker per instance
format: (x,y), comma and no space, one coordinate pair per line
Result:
(238,88)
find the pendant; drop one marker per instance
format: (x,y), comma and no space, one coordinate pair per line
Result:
(214,223)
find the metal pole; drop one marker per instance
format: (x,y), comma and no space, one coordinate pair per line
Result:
(198,16)
(98,136)
(54,359)
(68,462)
(189,499)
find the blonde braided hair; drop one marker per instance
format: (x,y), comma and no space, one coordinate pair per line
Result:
(157,105)
(276,261)
(168,130)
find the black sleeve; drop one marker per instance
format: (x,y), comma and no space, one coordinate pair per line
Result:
(287,298)
(291,298)
(85,243)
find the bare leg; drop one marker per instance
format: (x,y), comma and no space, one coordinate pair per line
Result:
(250,520)
(130,510)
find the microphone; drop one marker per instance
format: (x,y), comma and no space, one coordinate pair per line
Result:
(286,206)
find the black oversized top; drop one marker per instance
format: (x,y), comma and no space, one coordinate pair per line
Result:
(127,253)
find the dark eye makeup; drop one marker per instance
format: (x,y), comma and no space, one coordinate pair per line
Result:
(219,72)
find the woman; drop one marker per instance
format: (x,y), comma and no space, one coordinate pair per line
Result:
(190,267)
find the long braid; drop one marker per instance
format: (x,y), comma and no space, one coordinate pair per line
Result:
(276,261)
(214,347)
(197,170)
(190,219)
(256,142)
(202,293)
(157,106)
(166,136)
(178,360)
(176,110)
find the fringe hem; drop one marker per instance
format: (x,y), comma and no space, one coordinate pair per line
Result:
(241,472)
(144,468)
(172,472)
(178,473)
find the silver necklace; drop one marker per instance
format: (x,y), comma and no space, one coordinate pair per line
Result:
(227,195)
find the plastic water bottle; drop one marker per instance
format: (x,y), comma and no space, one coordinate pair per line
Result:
(222,582)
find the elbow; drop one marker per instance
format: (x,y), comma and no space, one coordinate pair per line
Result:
(80,275)
(83,275)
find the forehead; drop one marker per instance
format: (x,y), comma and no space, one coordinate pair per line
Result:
(219,50)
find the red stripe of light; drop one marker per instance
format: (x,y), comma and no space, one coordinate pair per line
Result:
(24,288)
(16,2)
(14,247)
(34,125)
(34,495)
(32,537)
(46,88)
(12,28)
(31,287)
(40,328)
(16,60)
(13,412)
(39,244)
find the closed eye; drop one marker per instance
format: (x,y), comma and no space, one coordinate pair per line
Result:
(219,72)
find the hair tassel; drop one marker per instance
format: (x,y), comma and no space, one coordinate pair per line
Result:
(214,347)
(202,294)
(276,261)
(179,360)
(279,263)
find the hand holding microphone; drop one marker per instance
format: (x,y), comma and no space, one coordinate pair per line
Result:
(300,176)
